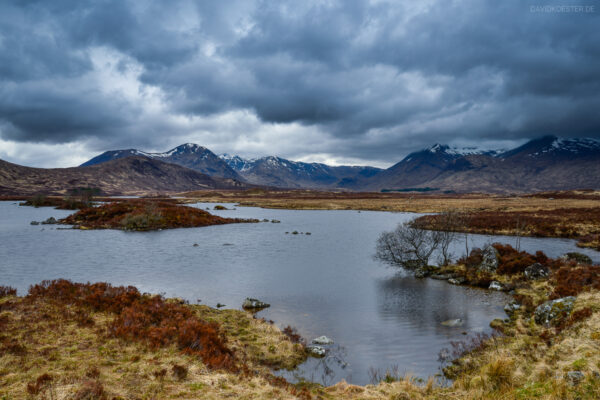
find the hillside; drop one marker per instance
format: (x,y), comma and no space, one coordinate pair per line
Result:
(126,176)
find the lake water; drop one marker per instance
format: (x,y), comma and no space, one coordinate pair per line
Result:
(326,283)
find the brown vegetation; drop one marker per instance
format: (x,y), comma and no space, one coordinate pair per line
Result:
(144,215)
(145,318)
(578,223)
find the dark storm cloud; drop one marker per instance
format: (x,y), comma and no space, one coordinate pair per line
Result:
(379,78)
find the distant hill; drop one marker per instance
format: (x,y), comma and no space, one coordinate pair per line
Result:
(122,176)
(279,172)
(187,155)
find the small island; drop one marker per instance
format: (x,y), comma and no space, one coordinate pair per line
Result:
(145,215)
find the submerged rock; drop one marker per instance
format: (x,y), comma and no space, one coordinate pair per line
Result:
(536,271)
(442,277)
(323,340)
(254,304)
(553,312)
(316,351)
(457,281)
(453,322)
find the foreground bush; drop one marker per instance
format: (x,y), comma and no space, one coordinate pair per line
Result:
(145,318)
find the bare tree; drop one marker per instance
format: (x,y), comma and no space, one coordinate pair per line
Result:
(408,246)
(449,224)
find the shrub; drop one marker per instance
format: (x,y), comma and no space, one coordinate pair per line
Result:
(145,318)
(513,261)
(293,335)
(41,383)
(90,390)
(6,291)
(570,280)
(179,372)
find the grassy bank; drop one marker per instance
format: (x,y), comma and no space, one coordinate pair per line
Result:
(65,341)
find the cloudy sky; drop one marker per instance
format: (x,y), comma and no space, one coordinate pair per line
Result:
(360,82)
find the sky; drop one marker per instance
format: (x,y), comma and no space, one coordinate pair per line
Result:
(342,82)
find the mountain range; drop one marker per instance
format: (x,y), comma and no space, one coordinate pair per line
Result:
(545,163)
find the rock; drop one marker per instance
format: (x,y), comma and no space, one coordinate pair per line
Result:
(536,271)
(196,245)
(511,307)
(442,277)
(34,223)
(316,351)
(553,312)
(579,257)
(254,304)
(421,273)
(495,285)
(50,221)
(220,207)
(490,260)
(295,233)
(575,377)
(265,220)
(323,340)
(307,233)
(219,305)
(227,244)
(275,221)
(457,281)
(453,322)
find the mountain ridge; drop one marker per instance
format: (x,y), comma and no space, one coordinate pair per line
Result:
(544,163)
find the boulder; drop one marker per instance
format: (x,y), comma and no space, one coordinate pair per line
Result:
(579,257)
(511,307)
(536,271)
(254,304)
(322,340)
(575,377)
(275,221)
(553,312)
(490,260)
(34,223)
(316,351)
(50,221)
(495,285)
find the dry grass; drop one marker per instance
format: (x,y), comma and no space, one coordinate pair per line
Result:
(406,202)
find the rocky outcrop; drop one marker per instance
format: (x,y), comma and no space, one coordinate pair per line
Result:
(536,271)
(553,312)
(254,304)
(490,260)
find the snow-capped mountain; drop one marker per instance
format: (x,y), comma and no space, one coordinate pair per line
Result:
(545,163)
(188,155)
(280,172)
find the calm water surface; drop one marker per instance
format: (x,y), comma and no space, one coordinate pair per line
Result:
(326,283)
